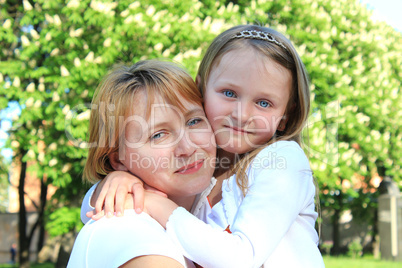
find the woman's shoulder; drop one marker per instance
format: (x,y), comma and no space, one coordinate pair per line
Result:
(131,225)
(124,238)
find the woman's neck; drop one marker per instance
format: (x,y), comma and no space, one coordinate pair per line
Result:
(186,201)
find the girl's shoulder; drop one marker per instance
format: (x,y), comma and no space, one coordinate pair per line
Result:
(283,148)
(281,154)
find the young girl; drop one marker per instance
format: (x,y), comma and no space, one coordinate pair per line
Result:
(256,97)
(148,120)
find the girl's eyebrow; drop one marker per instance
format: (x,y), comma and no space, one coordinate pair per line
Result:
(227,84)
(269,95)
(261,92)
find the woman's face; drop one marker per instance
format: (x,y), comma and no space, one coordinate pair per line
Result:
(172,151)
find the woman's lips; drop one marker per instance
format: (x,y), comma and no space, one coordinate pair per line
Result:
(193,167)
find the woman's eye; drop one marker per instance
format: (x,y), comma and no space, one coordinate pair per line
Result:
(157,135)
(229,94)
(194,121)
(263,104)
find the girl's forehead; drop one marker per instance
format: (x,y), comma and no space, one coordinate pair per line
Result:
(240,56)
(248,60)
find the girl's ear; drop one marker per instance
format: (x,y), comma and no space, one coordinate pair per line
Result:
(116,163)
(285,118)
(282,123)
(198,80)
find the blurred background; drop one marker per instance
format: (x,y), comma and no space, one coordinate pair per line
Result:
(54,53)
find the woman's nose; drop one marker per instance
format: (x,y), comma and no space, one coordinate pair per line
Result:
(185,147)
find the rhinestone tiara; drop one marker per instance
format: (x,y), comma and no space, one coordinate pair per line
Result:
(253,34)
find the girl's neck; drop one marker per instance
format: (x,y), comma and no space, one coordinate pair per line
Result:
(225,163)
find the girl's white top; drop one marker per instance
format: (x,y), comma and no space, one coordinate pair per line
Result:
(111,242)
(273,225)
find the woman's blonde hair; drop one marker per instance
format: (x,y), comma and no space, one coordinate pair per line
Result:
(281,51)
(114,98)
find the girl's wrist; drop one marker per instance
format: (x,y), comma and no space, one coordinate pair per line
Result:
(160,208)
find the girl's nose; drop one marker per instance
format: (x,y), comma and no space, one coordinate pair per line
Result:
(241,113)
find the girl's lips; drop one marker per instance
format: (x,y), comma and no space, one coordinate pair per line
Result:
(194,167)
(238,130)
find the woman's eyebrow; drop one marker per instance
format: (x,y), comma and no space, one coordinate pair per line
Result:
(193,111)
(161,122)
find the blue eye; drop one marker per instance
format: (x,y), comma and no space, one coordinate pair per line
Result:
(157,135)
(229,94)
(263,104)
(194,121)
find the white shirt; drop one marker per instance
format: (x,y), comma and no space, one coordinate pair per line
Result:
(273,225)
(111,242)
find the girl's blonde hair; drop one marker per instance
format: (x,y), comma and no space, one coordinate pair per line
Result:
(114,100)
(282,52)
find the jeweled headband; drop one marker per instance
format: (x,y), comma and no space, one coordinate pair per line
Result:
(253,34)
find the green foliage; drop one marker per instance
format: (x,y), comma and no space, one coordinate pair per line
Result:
(63,220)
(4,167)
(55,52)
(355,249)
(326,246)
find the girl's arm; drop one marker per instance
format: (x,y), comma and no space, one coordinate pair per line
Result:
(280,183)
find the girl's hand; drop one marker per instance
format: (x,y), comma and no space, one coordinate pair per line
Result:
(112,192)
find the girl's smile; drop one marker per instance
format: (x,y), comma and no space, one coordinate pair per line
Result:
(238,131)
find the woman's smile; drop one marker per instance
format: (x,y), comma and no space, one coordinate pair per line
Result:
(192,168)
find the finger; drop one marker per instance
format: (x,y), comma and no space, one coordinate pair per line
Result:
(138,191)
(109,199)
(120,199)
(98,215)
(100,200)
(89,214)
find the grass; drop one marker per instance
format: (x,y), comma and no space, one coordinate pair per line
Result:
(33,265)
(330,262)
(365,262)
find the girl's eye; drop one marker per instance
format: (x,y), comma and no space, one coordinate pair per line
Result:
(229,94)
(194,121)
(157,136)
(263,104)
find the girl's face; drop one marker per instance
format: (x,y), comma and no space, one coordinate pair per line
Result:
(173,151)
(245,100)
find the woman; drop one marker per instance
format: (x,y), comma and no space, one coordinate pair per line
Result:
(148,120)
